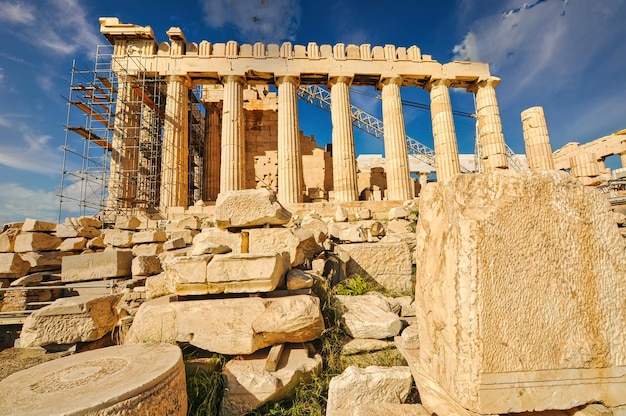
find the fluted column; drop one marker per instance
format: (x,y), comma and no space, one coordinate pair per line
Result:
(444,134)
(212,151)
(536,139)
(344,158)
(489,125)
(175,149)
(290,179)
(232,166)
(396,154)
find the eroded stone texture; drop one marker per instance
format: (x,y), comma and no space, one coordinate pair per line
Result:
(386,409)
(230,326)
(118,238)
(142,380)
(44,260)
(188,273)
(36,241)
(7,240)
(222,237)
(368,316)
(520,295)
(12,265)
(372,260)
(371,385)
(248,385)
(299,243)
(69,320)
(244,273)
(33,225)
(96,266)
(249,208)
(145,266)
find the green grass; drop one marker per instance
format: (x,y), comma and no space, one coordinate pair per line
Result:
(353,286)
(205,389)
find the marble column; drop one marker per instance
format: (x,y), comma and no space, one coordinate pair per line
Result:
(232,174)
(446,148)
(175,148)
(212,151)
(344,158)
(489,125)
(536,139)
(290,179)
(399,185)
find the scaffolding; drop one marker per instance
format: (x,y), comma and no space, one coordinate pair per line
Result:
(113,138)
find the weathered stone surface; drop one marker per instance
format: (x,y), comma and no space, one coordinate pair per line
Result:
(299,279)
(186,235)
(340,214)
(159,285)
(174,244)
(361,345)
(520,295)
(150,249)
(86,221)
(249,208)
(347,232)
(371,385)
(142,380)
(29,280)
(398,226)
(73,244)
(318,227)
(149,236)
(222,237)
(7,240)
(145,266)
(299,243)
(127,222)
(70,231)
(407,238)
(35,241)
(230,326)
(118,238)
(371,260)
(244,273)
(368,316)
(188,273)
(401,305)
(248,385)
(207,247)
(386,409)
(397,213)
(33,225)
(12,265)
(187,223)
(96,243)
(96,266)
(44,260)
(410,338)
(69,320)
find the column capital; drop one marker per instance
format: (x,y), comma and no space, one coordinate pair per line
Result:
(294,79)
(232,78)
(434,82)
(333,79)
(391,79)
(489,82)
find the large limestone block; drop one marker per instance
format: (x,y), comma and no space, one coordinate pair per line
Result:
(118,238)
(44,260)
(12,265)
(230,326)
(70,320)
(244,273)
(249,208)
(73,244)
(371,385)
(347,232)
(248,385)
(33,225)
(520,295)
(389,264)
(386,409)
(149,236)
(71,231)
(159,285)
(221,237)
(96,266)
(7,240)
(141,380)
(188,273)
(36,242)
(299,243)
(317,226)
(368,316)
(145,266)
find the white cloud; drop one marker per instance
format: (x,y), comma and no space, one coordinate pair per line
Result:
(23,148)
(16,12)
(18,202)
(256,20)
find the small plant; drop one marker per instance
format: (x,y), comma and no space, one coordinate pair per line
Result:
(353,286)
(204,390)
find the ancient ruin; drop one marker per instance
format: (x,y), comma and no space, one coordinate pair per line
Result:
(229,247)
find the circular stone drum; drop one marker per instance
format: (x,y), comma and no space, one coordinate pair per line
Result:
(137,379)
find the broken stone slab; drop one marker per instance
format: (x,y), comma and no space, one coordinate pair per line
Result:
(36,241)
(69,320)
(188,273)
(318,227)
(519,295)
(386,409)
(347,232)
(149,236)
(30,280)
(44,260)
(33,225)
(127,222)
(248,385)
(159,285)
(145,266)
(7,240)
(249,208)
(149,249)
(372,385)
(397,213)
(118,238)
(368,316)
(407,238)
(398,226)
(86,221)
(70,231)
(230,326)
(96,243)
(299,279)
(12,265)
(219,236)
(94,266)
(174,244)
(402,305)
(371,260)
(186,235)
(409,338)
(208,247)
(299,243)
(73,244)
(111,381)
(362,345)
(341,215)
(187,223)
(244,273)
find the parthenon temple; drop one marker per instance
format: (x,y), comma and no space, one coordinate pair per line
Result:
(234,79)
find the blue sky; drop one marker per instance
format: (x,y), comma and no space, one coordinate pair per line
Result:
(566,55)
